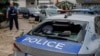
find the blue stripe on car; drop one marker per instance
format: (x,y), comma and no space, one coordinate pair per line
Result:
(69,47)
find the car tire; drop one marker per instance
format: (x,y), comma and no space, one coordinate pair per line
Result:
(37,18)
(27,17)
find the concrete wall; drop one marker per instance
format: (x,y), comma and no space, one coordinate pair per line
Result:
(55,1)
(72,1)
(22,3)
(30,3)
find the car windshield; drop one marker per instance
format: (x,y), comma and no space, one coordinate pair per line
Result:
(95,8)
(42,7)
(23,9)
(50,6)
(61,30)
(53,7)
(51,12)
(33,10)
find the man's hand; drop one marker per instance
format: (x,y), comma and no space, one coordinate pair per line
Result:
(7,15)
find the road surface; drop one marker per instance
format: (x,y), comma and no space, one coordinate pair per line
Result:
(7,37)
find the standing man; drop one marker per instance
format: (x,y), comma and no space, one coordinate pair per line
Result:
(12,14)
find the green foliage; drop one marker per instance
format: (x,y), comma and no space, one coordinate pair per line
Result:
(3,4)
(66,5)
(16,4)
(3,7)
(1,17)
(3,1)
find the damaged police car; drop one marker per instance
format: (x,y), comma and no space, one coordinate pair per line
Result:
(70,35)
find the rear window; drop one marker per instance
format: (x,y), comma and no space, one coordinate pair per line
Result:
(53,7)
(42,7)
(61,30)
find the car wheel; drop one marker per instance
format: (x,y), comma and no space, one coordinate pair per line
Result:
(37,18)
(26,16)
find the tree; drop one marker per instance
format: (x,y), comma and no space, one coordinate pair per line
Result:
(3,4)
(66,5)
(3,7)
(3,1)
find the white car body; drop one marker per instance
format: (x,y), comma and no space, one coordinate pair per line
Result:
(90,45)
(47,6)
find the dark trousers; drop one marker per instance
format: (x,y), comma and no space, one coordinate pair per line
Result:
(11,18)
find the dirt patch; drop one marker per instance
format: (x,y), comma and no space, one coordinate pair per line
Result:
(7,37)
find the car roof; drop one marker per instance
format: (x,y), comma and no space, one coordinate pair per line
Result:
(80,9)
(79,17)
(50,9)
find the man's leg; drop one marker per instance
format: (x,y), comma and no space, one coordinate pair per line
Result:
(16,22)
(11,22)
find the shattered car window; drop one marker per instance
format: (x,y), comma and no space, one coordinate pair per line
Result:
(61,30)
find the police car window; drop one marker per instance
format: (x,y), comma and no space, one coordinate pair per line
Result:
(47,29)
(42,7)
(52,12)
(64,30)
(53,7)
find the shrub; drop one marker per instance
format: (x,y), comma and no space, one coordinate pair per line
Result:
(66,5)
(3,7)
(1,18)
